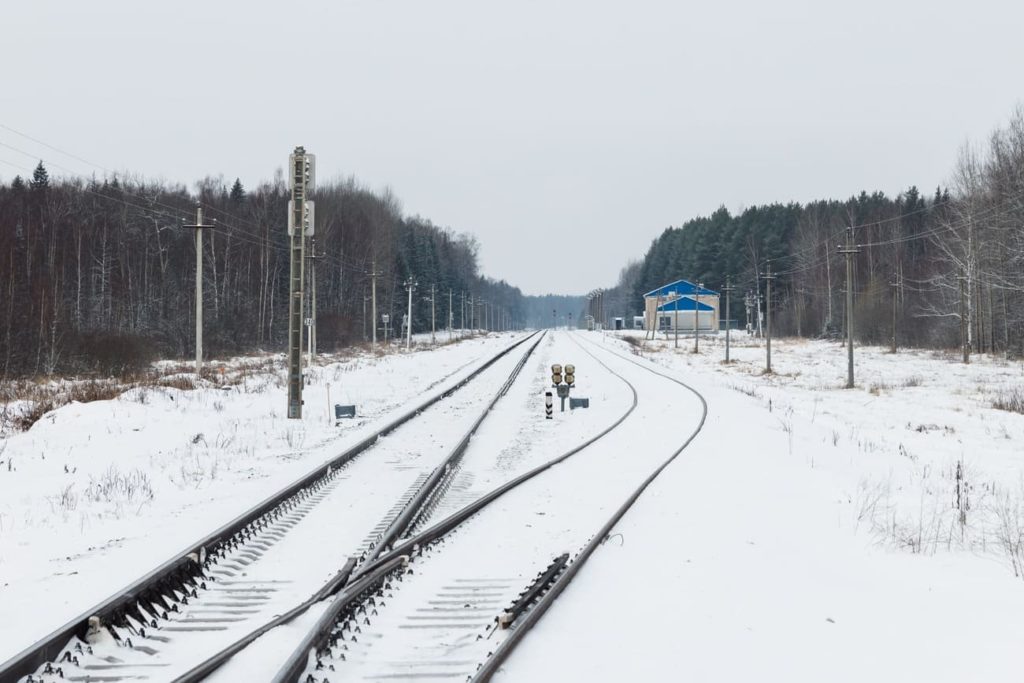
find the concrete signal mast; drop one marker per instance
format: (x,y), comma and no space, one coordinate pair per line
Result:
(301,174)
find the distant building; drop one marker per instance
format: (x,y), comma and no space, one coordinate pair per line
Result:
(682,303)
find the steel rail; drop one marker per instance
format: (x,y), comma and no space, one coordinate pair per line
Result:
(351,595)
(186,565)
(346,576)
(204,669)
(408,547)
(515,636)
(426,492)
(443,527)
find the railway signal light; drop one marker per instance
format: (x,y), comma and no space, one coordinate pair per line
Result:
(570,374)
(556,374)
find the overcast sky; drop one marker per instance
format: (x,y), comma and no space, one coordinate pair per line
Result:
(565,136)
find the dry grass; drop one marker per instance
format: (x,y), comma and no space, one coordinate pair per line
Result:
(25,402)
(1012,401)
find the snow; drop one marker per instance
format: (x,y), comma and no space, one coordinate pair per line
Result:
(491,558)
(809,532)
(758,554)
(98,493)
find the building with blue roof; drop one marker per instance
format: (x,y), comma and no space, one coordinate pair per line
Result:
(681,304)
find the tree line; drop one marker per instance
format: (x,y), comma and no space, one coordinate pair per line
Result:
(99,274)
(949,257)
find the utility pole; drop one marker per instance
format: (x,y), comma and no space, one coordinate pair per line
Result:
(768,316)
(409,285)
(462,314)
(300,220)
(849,250)
(366,335)
(199,227)
(433,324)
(675,323)
(895,294)
(696,318)
(312,258)
(451,316)
(373,308)
(961,279)
(728,323)
(828,277)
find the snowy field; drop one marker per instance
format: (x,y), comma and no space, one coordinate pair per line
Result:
(94,494)
(810,532)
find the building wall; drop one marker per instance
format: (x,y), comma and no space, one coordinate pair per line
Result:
(706,320)
(651,304)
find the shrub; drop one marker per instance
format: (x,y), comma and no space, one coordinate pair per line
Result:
(114,354)
(1012,401)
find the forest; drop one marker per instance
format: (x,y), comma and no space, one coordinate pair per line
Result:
(98,275)
(947,267)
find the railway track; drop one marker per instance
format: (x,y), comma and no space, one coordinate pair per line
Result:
(479,579)
(232,576)
(436,594)
(503,650)
(350,612)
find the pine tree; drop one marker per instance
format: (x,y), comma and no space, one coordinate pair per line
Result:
(18,185)
(40,178)
(237,192)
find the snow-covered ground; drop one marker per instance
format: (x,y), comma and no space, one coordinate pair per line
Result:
(94,494)
(810,532)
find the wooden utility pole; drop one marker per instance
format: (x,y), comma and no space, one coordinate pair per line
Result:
(768,277)
(849,250)
(961,279)
(728,323)
(451,316)
(199,227)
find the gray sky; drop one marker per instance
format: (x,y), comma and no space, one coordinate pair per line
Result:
(564,137)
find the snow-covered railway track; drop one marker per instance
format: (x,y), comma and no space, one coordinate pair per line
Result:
(514,636)
(233,577)
(490,566)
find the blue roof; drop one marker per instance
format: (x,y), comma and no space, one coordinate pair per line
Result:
(683,304)
(682,288)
